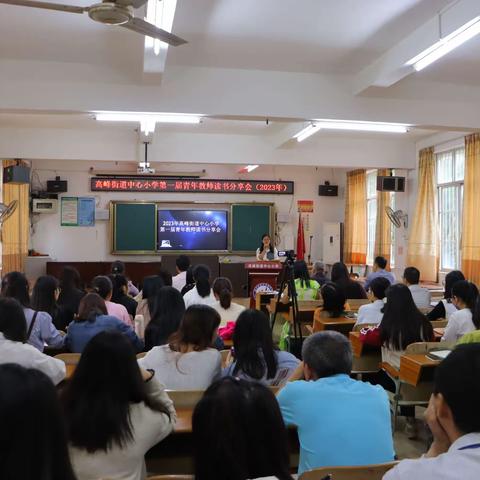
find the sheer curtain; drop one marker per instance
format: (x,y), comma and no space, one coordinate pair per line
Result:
(383,229)
(355,245)
(15,230)
(471,205)
(423,241)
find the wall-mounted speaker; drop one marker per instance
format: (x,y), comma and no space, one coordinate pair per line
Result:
(390,184)
(328,190)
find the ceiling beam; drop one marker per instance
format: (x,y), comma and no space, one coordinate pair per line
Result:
(390,68)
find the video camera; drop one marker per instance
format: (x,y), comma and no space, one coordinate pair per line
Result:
(290,255)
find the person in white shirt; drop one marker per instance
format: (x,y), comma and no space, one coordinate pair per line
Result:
(266,251)
(421,296)
(238,428)
(114,411)
(188,362)
(464,297)
(454,420)
(13,349)
(181,266)
(372,312)
(228,310)
(202,293)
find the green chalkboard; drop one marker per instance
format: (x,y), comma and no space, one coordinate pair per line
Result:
(248,223)
(134,227)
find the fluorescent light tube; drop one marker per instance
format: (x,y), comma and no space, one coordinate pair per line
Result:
(446,45)
(251,168)
(362,126)
(306,132)
(147,117)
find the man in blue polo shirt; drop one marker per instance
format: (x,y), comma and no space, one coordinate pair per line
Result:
(340,421)
(378,270)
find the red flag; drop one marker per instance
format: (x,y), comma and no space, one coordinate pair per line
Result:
(300,240)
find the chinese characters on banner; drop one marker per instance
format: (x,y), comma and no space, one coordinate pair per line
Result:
(132,184)
(190,226)
(305,207)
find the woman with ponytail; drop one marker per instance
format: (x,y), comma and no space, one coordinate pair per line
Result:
(464,297)
(228,310)
(202,294)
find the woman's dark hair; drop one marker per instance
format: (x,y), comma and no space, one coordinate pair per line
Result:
(253,346)
(43,294)
(222,286)
(339,273)
(118,283)
(261,245)
(467,292)
(151,285)
(118,267)
(13,324)
(379,286)
(402,322)
(91,306)
(333,299)
(300,270)
(69,279)
(189,276)
(166,277)
(238,428)
(197,328)
(28,397)
(166,317)
(15,285)
(102,285)
(450,279)
(201,275)
(97,399)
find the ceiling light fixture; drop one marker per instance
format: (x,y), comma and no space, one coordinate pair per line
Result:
(317,125)
(446,45)
(161,14)
(248,169)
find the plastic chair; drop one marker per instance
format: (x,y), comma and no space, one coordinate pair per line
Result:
(367,472)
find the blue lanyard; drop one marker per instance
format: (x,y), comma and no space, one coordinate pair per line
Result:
(470,447)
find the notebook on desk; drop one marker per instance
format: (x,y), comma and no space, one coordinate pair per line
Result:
(438,354)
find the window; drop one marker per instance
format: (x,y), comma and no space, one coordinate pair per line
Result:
(371,214)
(450,175)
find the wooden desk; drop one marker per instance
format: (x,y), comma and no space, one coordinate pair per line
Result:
(341,324)
(416,367)
(366,358)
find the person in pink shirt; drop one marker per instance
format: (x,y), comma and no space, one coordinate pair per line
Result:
(103,286)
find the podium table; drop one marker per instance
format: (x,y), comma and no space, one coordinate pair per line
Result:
(262,277)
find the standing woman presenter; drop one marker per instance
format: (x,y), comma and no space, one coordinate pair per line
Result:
(266,251)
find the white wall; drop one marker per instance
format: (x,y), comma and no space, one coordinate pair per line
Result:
(92,243)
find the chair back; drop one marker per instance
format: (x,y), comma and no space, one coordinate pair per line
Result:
(425,347)
(367,472)
(69,358)
(359,326)
(356,303)
(439,323)
(185,399)
(141,355)
(224,354)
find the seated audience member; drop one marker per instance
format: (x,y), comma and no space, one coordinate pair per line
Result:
(70,291)
(334,304)
(351,288)
(306,288)
(454,420)
(188,362)
(319,273)
(253,356)
(33,443)
(190,282)
(445,307)
(120,295)
(151,285)
(181,266)
(378,270)
(340,421)
(402,324)
(372,312)
(103,286)
(114,411)
(464,297)
(166,277)
(167,315)
(92,319)
(13,349)
(118,268)
(40,328)
(228,310)
(238,428)
(202,294)
(44,299)
(421,296)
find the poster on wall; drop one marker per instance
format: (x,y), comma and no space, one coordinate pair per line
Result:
(77,212)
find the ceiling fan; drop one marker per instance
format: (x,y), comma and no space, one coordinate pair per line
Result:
(113,12)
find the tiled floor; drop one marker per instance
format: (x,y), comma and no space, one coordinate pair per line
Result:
(406,448)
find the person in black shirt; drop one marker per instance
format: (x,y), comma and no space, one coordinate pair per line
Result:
(445,307)
(70,291)
(351,288)
(119,294)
